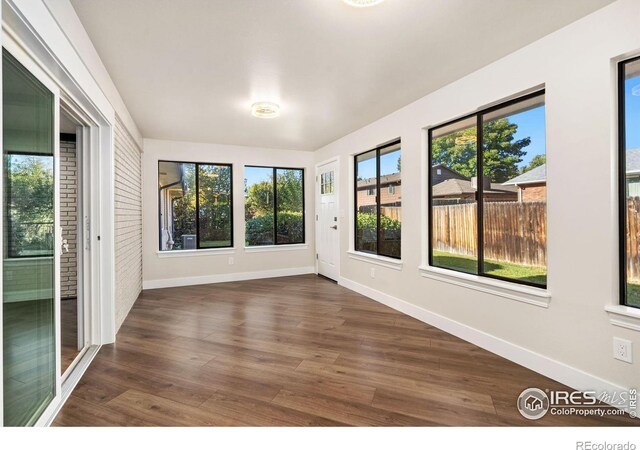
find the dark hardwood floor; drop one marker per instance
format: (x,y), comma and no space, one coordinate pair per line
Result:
(68,332)
(294,351)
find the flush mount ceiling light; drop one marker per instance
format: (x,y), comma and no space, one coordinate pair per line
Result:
(362,3)
(265,110)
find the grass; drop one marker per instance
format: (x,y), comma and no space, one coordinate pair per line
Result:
(214,244)
(468,264)
(633,294)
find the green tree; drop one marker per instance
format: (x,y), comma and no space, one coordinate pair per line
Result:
(502,152)
(214,183)
(30,203)
(536,161)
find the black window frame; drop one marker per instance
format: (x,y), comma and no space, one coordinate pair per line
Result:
(197,193)
(275,206)
(480,187)
(397,141)
(622,183)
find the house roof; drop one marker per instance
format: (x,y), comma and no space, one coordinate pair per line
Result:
(455,187)
(536,175)
(385,179)
(632,158)
(539,174)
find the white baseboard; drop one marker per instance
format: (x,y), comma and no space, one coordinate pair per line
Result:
(560,372)
(225,277)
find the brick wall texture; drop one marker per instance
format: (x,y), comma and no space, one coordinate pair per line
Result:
(69,218)
(128,221)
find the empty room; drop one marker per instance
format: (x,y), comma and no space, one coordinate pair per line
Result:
(322,213)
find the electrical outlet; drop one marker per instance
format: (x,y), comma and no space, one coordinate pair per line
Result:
(373,272)
(622,350)
(231,260)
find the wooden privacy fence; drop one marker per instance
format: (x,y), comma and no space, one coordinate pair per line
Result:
(633,239)
(513,232)
(392,212)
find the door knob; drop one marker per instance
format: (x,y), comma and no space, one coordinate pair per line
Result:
(65,246)
(334,227)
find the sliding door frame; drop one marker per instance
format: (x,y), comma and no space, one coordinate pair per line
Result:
(26,27)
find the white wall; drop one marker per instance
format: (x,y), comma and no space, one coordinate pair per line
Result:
(576,65)
(203,266)
(70,24)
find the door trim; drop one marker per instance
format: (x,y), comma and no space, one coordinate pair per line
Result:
(316,189)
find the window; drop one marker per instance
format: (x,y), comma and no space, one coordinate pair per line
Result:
(629,176)
(493,225)
(29,204)
(274,205)
(326,183)
(195,205)
(377,220)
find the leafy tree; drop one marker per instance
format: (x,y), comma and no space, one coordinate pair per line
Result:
(536,161)
(502,152)
(259,209)
(215,204)
(30,202)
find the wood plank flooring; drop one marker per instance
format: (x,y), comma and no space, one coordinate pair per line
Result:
(294,351)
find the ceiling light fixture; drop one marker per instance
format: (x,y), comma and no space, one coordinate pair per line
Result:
(265,110)
(362,3)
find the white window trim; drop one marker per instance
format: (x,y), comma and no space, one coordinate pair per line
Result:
(624,316)
(195,252)
(513,291)
(384,261)
(275,248)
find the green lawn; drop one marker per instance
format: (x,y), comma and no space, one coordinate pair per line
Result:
(537,275)
(633,294)
(214,244)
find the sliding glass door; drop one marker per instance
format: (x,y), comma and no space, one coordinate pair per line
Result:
(30,245)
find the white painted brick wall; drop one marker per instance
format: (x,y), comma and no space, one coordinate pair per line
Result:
(69,218)
(128,221)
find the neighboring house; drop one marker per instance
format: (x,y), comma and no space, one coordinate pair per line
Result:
(463,191)
(633,172)
(391,192)
(171,186)
(440,173)
(449,186)
(531,185)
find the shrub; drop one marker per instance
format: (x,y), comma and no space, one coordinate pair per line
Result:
(259,229)
(367,237)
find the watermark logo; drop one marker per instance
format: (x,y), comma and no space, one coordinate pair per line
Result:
(533,403)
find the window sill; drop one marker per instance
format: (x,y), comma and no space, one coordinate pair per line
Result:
(390,263)
(624,316)
(200,252)
(526,294)
(276,248)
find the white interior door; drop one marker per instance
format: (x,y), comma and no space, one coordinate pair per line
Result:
(327,223)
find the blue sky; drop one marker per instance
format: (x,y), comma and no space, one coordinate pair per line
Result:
(257,174)
(632,115)
(531,124)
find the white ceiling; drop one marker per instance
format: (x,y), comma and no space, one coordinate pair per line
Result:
(190,69)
